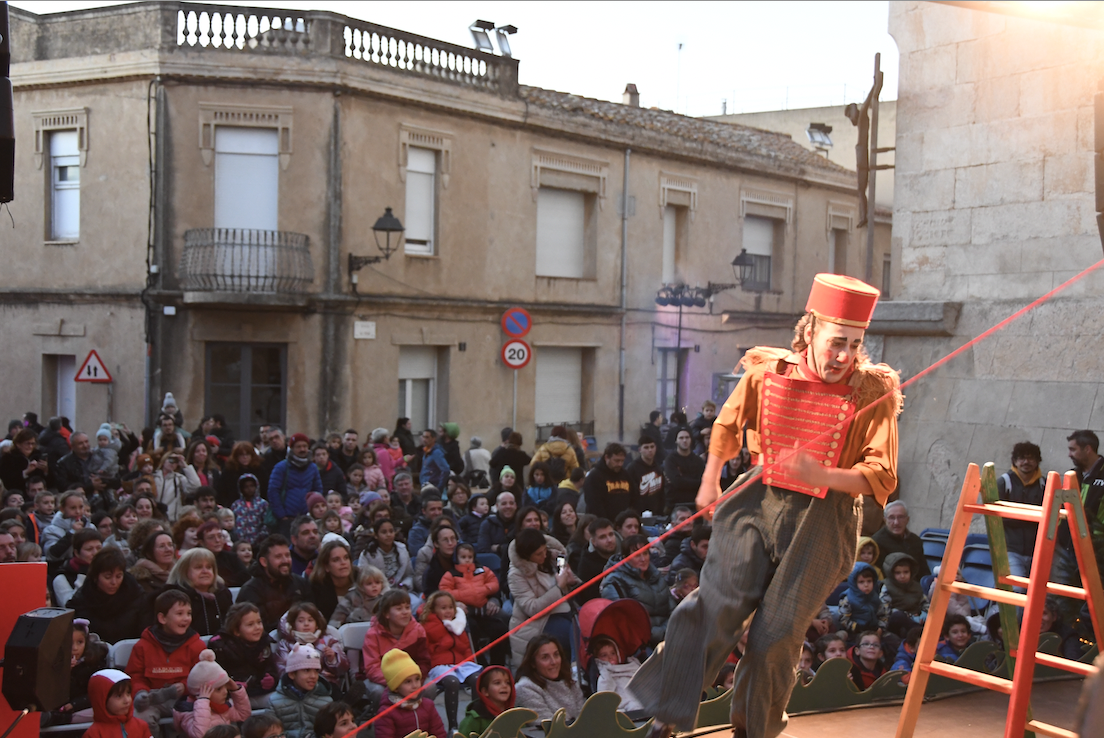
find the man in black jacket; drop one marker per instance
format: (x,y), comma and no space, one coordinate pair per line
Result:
(1022,483)
(608,489)
(683,471)
(652,430)
(647,475)
(592,562)
(277,451)
(273,588)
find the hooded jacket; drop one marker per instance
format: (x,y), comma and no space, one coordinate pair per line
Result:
(297,710)
(863,677)
(245,662)
(379,640)
(908,598)
(435,468)
(104,724)
(249,515)
(471,584)
(607,492)
(421,714)
(553,452)
(649,588)
(859,612)
(481,711)
(155,663)
(868,541)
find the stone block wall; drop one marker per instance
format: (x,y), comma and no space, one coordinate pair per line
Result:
(994,208)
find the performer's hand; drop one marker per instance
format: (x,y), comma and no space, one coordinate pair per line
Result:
(708,493)
(801,465)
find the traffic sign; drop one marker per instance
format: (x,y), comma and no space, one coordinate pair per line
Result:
(516,322)
(516,353)
(93,370)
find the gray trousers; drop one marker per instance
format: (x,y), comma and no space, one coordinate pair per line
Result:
(777,555)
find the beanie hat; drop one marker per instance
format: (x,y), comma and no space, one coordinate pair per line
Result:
(303,657)
(213,441)
(297,437)
(106,427)
(170,401)
(331,536)
(397,667)
(207,671)
(453,429)
(506,470)
(476,442)
(103,433)
(313,499)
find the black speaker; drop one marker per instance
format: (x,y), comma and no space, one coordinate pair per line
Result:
(37,660)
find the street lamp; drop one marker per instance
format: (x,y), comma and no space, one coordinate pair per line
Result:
(680,296)
(388,225)
(742,266)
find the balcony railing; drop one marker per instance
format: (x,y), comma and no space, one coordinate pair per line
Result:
(245,260)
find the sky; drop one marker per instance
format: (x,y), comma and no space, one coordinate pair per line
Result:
(735,56)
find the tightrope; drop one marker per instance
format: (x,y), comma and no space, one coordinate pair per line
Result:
(734,489)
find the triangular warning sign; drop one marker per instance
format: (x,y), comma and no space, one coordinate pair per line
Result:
(93,369)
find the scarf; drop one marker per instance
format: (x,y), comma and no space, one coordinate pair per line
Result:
(299,462)
(170,641)
(306,637)
(908,597)
(404,702)
(153,570)
(78,566)
(493,710)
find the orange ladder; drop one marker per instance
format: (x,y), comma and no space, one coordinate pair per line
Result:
(1061,501)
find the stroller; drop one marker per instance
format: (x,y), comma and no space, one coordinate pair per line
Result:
(626,622)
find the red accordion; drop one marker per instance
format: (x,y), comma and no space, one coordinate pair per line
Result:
(813,415)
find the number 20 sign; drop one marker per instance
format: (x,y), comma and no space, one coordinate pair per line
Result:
(516,353)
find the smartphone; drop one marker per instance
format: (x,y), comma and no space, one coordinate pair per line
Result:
(560,562)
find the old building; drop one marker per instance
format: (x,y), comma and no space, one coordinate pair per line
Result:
(210,180)
(993,208)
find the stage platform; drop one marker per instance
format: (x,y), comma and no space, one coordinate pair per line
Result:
(976,715)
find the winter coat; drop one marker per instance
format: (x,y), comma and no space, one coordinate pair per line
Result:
(510,456)
(403,577)
(151,666)
(548,700)
(272,598)
(333,478)
(386,463)
(648,588)
(532,590)
(227,490)
(469,528)
(906,655)
(863,677)
(12,465)
(591,564)
(420,715)
(865,541)
(171,489)
(378,641)
(493,532)
(435,468)
(248,663)
(607,492)
(111,617)
(422,561)
(333,668)
(54,445)
(71,469)
(892,593)
(249,519)
(471,584)
(682,477)
(106,725)
(231,569)
(559,456)
(859,612)
(290,499)
(481,712)
(354,607)
(446,646)
(418,535)
(194,716)
(909,543)
(104,463)
(57,537)
(296,710)
(374,478)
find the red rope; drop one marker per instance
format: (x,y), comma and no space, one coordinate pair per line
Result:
(733,490)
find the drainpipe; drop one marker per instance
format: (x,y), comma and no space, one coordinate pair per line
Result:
(624,297)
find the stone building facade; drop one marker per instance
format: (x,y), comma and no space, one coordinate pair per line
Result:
(994,207)
(230,162)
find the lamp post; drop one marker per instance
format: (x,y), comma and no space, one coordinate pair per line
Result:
(388,225)
(682,295)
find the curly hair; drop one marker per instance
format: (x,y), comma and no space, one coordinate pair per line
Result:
(799,344)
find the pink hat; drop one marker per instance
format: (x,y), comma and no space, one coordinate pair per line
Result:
(303,657)
(206,671)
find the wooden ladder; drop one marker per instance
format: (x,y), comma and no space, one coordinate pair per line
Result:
(1061,501)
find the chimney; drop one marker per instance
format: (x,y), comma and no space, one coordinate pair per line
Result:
(631,96)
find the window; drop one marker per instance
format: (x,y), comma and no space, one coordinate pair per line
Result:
(759,242)
(421,201)
(559,385)
(887,275)
(667,376)
(562,233)
(418,385)
(247,178)
(247,383)
(670,243)
(64,186)
(59,386)
(837,251)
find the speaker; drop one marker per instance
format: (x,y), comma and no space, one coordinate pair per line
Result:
(37,660)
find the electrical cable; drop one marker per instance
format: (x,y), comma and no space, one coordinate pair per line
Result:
(749,478)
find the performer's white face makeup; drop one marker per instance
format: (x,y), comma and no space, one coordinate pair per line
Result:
(832,349)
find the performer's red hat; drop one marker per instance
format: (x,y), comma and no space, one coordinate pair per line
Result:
(837,298)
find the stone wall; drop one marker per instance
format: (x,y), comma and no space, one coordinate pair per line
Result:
(994,207)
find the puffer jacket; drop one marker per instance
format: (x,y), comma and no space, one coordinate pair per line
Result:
(333,668)
(494,531)
(296,710)
(648,588)
(421,714)
(474,586)
(532,590)
(446,647)
(372,556)
(557,448)
(288,487)
(378,641)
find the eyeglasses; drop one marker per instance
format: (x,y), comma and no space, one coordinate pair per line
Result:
(870,645)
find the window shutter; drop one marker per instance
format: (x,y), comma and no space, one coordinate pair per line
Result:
(65,185)
(561,233)
(670,221)
(559,385)
(421,175)
(247,176)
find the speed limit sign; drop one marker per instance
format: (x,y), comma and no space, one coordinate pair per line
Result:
(516,353)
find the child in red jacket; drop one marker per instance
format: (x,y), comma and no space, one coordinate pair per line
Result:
(447,637)
(163,657)
(404,677)
(109,691)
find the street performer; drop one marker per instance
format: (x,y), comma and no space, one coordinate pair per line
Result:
(781,545)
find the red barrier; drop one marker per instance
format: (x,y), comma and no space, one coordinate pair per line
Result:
(24,589)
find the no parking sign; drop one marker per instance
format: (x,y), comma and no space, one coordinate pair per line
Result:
(516,322)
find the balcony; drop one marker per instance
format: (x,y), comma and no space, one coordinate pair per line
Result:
(238,266)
